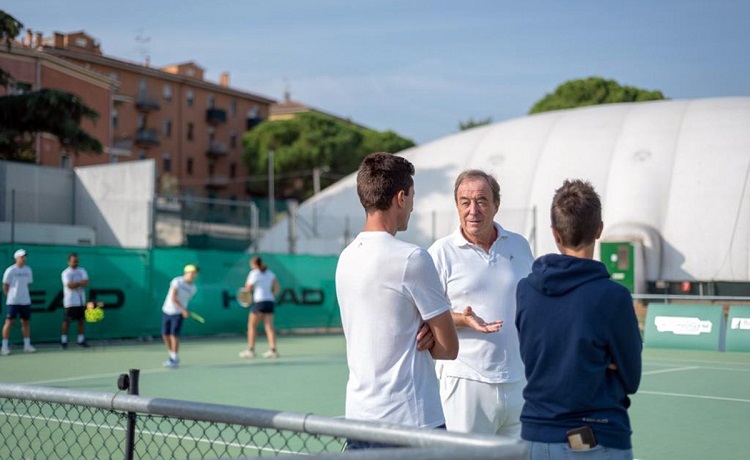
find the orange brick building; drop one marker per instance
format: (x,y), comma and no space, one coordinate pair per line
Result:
(191,127)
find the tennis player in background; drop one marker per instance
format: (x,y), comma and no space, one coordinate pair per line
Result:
(264,286)
(386,290)
(480,264)
(16,280)
(175,309)
(74,281)
(579,341)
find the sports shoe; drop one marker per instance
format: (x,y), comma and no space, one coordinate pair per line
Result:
(247,354)
(271,354)
(64,345)
(170,363)
(29,349)
(83,344)
(5,351)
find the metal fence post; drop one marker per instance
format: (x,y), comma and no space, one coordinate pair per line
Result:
(130,382)
(13,216)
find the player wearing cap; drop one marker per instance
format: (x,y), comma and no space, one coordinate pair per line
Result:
(74,280)
(16,280)
(175,309)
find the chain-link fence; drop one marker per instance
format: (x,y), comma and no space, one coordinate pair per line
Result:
(54,423)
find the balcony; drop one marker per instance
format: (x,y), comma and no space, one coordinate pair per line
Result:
(122,143)
(217,182)
(147,138)
(216,116)
(147,103)
(253,122)
(217,149)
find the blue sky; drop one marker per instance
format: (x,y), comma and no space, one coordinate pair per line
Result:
(421,67)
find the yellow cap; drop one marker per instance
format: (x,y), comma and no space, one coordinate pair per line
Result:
(190,268)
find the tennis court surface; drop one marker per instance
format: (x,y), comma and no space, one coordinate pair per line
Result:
(691,404)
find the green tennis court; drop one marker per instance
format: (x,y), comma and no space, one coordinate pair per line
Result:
(691,405)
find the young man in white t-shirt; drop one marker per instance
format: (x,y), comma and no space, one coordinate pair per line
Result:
(16,280)
(74,281)
(386,290)
(175,309)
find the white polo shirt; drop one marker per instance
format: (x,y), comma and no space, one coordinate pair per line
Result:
(262,283)
(486,282)
(18,280)
(185,292)
(74,297)
(386,288)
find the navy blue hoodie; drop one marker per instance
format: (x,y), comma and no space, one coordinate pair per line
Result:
(573,322)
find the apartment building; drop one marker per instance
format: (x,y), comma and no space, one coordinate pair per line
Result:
(190,126)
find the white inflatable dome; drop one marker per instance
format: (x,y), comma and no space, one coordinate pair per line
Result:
(673,176)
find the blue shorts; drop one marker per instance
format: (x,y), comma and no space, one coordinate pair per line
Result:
(171,324)
(263,307)
(14,311)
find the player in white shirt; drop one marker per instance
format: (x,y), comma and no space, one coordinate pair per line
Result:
(74,281)
(175,309)
(16,280)
(386,290)
(480,265)
(265,287)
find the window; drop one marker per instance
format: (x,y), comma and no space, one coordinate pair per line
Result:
(81,42)
(211,134)
(65,161)
(141,121)
(142,87)
(189,166)
(114,159)
(211,101)
(233,140)
(141,154)
(21,88)
(189,97)
(211,169)
(253,113)
(115,119)
(167,128)
(233,170)
(167,92)
(189,72)
(233,107)
(190,131)
(166,161)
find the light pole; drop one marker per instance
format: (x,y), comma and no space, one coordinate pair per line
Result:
(316,189)
(271,192)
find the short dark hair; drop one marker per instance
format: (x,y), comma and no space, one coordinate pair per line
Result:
(72,254)
(381,176)
(478,174)
(576,213)
(259,262)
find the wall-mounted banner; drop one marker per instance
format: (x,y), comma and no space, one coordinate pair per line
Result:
(738,328)
(697,327)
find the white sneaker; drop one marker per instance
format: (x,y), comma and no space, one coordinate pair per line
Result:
(5,351)
(170,363)
(271,354)
(29,349)
(247,354)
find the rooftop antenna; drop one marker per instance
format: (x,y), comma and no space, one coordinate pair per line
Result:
(142,47)
(287,91)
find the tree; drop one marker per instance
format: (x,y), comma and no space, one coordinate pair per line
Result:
(308,141)
(44,111)
(592,91)
(471,123)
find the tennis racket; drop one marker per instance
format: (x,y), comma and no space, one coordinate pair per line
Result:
(244,297)
(197,317)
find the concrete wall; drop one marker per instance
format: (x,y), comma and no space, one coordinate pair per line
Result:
(116,200)
(42,194)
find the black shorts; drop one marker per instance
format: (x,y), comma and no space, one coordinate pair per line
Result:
(171,324)
(263,307)
(14,311)
(74,313)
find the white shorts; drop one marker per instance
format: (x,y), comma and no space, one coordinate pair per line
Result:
(471,406)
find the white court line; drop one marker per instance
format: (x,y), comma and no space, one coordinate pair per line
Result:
(681,395)
(674,369)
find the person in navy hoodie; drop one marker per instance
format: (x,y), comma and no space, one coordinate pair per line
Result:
(579,341)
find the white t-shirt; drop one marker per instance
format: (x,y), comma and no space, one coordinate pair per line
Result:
(486,282)
(18,279)
(185,292)
(262,284)
(74,297)
(386,288)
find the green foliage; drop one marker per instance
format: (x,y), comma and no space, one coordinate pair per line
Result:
(49,111)
(471,123)
(309,141)
(592,91)
(9,29)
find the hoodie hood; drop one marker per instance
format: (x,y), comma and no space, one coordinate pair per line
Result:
(557,274)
